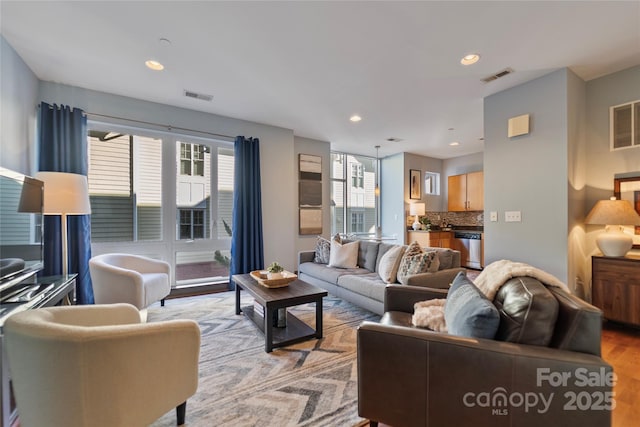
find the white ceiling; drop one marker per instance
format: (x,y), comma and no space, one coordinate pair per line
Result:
(308,66)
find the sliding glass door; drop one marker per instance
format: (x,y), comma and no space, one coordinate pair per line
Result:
(163,196)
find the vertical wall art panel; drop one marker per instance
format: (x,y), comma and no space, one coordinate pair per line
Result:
(310,194)
(311,221)
(310,167)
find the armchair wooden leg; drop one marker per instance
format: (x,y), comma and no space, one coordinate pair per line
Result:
(162,302)
(373,423)
(181,412)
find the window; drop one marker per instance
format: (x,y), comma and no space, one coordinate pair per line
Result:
(165,197)
(357,222)
(357,175)
(192,224)
(125,176)
(192,159)
(432,183)
(625,125)
(353,199)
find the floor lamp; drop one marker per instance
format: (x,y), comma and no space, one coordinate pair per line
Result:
(65,194)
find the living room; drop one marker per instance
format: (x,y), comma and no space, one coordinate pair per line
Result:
(553,175)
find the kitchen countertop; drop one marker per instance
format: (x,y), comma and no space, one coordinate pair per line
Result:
(452,228)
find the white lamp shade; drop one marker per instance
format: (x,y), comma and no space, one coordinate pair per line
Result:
(65,193)
(417,209)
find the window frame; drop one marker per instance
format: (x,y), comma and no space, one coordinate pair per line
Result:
(169,246)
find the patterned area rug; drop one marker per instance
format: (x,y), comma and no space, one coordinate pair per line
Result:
(313,383)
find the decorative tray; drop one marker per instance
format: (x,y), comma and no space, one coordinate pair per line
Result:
(274,283)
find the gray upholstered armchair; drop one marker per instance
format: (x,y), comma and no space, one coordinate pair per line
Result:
(409,376)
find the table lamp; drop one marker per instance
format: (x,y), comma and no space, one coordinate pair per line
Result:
(416,209)
(65,194)
(614,242)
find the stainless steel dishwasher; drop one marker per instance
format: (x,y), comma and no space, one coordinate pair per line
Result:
(469,243)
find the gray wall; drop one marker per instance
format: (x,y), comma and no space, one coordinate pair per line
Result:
(393,197)
(576,174)
(603,164)
(18,100)
(528,173)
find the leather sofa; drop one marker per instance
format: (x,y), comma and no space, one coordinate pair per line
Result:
(363,286)
(410,376)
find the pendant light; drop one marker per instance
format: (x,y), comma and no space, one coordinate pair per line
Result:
(377,190)
(377,193)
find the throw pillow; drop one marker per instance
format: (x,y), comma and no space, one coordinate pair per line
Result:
(389,263)
(528,312)
(323,248)
(468,312)
(343,255)
(421,262)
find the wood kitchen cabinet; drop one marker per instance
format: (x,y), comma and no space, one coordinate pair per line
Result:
(616,287)
(432,239)
(466,192)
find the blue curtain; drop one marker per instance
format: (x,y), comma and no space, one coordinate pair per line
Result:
(62,139)
(247,252)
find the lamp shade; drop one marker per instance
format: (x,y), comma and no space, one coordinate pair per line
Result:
(614,242)
(417,209)
(613,212)
(65,193)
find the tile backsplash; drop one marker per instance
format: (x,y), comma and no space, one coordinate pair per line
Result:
(475,218)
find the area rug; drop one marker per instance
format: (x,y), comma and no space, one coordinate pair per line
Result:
(313,383)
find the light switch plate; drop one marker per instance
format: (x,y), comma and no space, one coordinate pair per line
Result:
(512,216)
(493,216)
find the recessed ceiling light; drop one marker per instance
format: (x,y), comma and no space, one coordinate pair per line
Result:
(470,59)
(355,118)
(154,65)
(454,143)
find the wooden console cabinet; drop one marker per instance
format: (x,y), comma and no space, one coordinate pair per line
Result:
(616,287)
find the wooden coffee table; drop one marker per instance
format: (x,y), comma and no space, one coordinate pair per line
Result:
(298,292)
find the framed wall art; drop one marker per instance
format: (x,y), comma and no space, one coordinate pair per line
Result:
(415,178)
(310,194)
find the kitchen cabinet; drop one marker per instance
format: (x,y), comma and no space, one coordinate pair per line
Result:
(616,287)
(432,239)
(466,192)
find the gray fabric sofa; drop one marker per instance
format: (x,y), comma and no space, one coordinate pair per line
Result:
(363,286)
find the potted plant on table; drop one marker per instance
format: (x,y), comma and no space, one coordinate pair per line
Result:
(275,271)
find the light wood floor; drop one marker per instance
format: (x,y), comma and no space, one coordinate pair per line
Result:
(621,349)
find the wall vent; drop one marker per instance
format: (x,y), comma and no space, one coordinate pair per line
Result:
(196,95)
(497,75)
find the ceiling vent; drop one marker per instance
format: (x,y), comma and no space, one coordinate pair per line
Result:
(392,139)
(196,95)
(497,75)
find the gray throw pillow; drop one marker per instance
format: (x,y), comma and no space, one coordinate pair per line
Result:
(323,248)
(468,312)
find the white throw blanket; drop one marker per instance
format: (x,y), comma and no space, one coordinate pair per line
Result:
(430,314)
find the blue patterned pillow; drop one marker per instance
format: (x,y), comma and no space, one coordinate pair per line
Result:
(467,312)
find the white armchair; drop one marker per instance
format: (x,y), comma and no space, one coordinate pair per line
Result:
(97,365)
(133,279)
